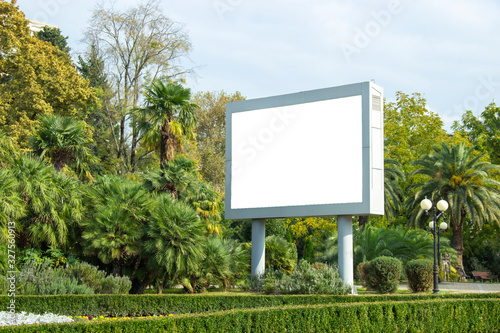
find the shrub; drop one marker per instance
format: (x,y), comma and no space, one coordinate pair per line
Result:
(314,279)
(40,278)
(384,272)
(305,279)
(419,275)
(369,284)
(91,276)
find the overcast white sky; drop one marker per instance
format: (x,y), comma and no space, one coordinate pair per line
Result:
(447,50)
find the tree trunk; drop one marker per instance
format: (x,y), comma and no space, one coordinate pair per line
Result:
(362,221)
(122,137)
(458,242)
(140,285)
(160,287)
(133,148)
(163,143)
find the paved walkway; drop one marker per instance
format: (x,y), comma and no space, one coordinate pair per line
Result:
(466,287)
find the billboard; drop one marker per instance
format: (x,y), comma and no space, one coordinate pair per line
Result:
(312,153)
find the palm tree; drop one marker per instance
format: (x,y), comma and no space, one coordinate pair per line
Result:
(371,243)
(52,201)
(392,189)
(173,242)
(114,229)
(11,205)
(167,117)
(179,177)
(64,140)
(453,173)
(280,254)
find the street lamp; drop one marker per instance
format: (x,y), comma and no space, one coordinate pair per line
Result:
(442,206)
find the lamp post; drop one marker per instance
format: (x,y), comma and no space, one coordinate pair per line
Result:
(442,206)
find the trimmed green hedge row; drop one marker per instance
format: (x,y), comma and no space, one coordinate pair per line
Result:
(145,305)
(438,315)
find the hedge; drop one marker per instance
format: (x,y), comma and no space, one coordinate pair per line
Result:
(430,315)
(145,305)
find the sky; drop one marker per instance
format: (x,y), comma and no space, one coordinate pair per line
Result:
(446,50)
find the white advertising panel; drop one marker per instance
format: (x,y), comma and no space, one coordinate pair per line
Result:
(315,153)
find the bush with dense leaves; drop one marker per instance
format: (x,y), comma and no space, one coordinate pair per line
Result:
(419,275)
(81,278)
(305,279)
(383,272)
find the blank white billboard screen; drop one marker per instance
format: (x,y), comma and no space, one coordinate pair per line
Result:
(302,154)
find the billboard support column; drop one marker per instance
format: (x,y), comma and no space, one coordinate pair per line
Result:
(258,246)
(346,252)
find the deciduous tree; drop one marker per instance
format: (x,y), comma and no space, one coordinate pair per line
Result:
(35,79)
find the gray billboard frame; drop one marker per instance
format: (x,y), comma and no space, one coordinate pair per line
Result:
(370,204)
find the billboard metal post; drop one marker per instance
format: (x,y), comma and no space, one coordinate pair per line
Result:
(258,246)
(346,252)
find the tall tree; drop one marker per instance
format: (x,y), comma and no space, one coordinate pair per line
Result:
(410,129)
(464,181)
(54,37)
(139,46)
(167,118)
(484,132)
(102,115)
(211,134)
(35,79)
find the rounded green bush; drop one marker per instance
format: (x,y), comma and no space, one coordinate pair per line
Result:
(384,273)
(419,275)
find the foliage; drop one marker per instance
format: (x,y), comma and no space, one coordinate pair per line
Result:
(11,205)
(382,273)
(419,274)
(393,192)
(379,315)
(36,79)
(41,278)
(96,279)
(52,201)
(309,251)
(225,262)
(146,305)
(211,134)
(410,129)
(314,279)
(136,54)
(305,279)
(54,37)
(64,141)
(481,251)
(167,118)
(484,132)
(113,230)
(280,254)
(173,247)
(464,181)
(179,177)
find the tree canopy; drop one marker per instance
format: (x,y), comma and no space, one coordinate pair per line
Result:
(35,79)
